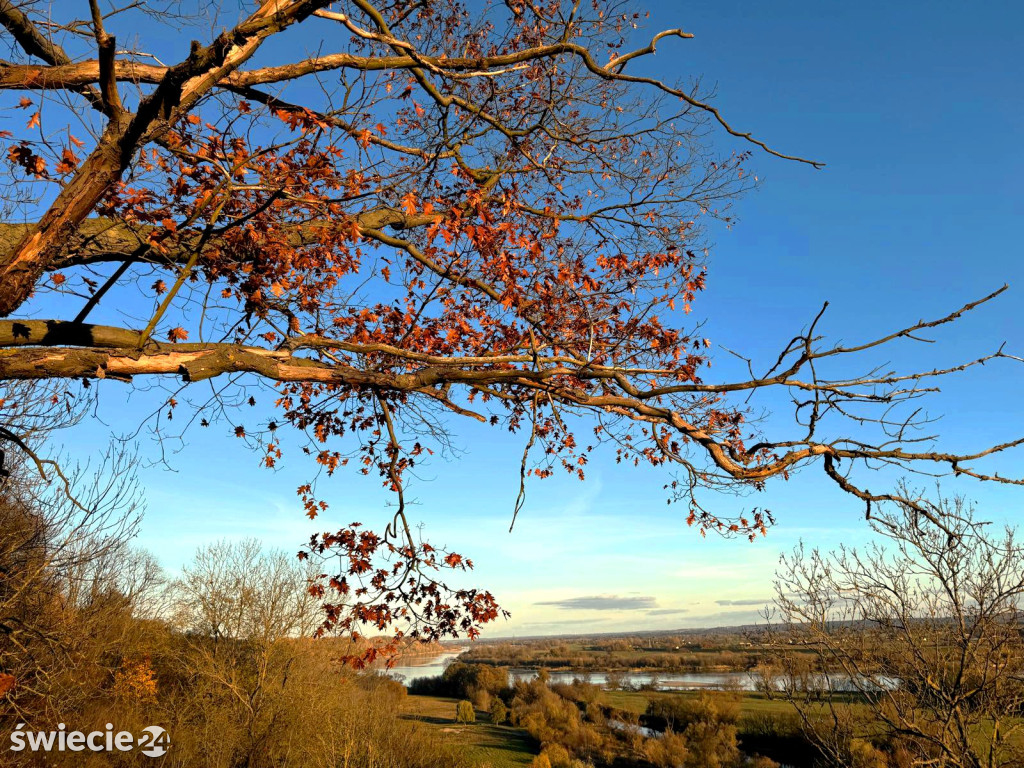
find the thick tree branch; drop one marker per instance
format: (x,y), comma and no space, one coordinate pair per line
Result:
(180,87)
(101,240)
(103,351)
(34,43)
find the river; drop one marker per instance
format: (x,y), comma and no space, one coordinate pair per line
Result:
(432,667)
(690,681)
(684,681)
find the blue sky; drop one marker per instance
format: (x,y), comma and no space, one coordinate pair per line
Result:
(916,109)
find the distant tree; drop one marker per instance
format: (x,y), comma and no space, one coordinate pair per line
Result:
(247,618)
(710,732)
(922,627)
(477,211)
(499,712)
(667,751)
(674,710)
(615,680)
(558,756)
(464,712)
(238,590)
(471,681)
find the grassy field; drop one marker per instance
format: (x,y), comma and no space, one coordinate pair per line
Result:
(636,701)
(499,746)
(754,704)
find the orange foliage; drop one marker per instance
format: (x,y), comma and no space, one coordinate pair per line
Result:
(135,680)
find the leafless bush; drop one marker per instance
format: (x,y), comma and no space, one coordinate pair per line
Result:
(919,637)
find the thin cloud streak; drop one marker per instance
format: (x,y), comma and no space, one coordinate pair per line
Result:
(604,603)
